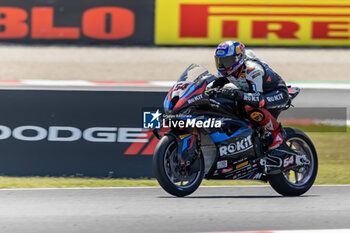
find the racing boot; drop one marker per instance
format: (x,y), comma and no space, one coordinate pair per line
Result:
(276,139)
(264,118)
(271,124)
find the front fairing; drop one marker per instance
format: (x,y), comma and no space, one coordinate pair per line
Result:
(188,89)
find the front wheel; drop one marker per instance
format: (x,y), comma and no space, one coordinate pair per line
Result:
(297,181)
(175,178)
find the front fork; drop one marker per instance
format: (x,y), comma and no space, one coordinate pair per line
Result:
(156,133)
(187,145)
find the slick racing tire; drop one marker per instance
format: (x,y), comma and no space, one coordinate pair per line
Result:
(295,182)
(168,172)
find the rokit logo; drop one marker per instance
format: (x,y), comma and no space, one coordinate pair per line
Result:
(195,98)
(236,147)
(275,98)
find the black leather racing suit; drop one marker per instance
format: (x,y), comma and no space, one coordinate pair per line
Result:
(260,86)
(263,93)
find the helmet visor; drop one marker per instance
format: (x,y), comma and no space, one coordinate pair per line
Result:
(224,63)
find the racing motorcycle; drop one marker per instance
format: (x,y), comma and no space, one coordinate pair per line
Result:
(235,150)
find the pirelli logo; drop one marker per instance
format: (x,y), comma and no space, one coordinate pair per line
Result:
(274,22)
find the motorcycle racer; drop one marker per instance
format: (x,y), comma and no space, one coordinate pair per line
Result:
(262,91)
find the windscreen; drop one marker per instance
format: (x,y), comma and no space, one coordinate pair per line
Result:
(190,79)
(194,74)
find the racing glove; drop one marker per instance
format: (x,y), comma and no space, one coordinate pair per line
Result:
(255,100)
(229,93)
(211,93)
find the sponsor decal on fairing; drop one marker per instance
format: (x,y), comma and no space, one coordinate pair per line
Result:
(236,147)
(226,170)
(288,161)
(195,98)
(221,164)
(242,165)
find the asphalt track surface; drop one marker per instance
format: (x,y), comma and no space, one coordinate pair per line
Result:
(152,210)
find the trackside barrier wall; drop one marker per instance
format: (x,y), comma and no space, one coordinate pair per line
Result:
(91,133)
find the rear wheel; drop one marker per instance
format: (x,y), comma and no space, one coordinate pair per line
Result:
(174,177)
(297,181)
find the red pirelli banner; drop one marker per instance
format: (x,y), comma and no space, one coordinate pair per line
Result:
(104,21)
(258,22)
